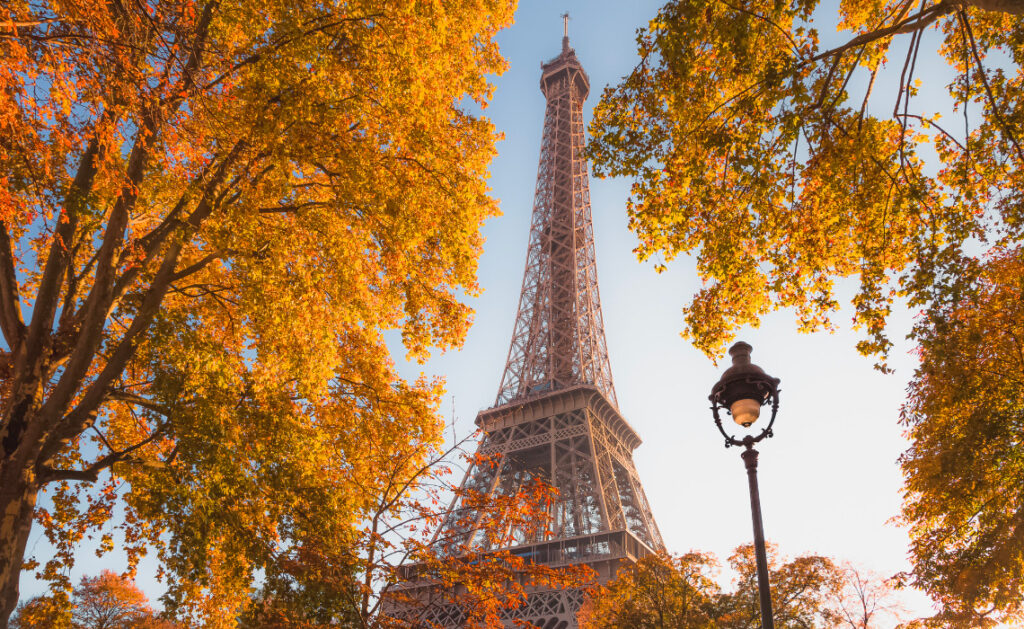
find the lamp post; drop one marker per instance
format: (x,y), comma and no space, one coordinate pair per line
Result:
(742,390)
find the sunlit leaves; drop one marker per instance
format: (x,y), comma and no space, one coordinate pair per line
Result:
(239,201)
(965,470)
(750,150)
(785,167)
(658,591)
(683,592)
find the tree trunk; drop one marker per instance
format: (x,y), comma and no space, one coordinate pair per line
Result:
(17,503)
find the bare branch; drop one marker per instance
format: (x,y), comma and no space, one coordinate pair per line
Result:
(915,46)
(932,123)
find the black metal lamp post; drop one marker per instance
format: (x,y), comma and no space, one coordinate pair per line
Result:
(742,390)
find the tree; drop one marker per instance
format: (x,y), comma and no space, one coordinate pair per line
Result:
(107,601)
(658,592)
(862,597)
(42,612)
(409,558)
(800,591)
(964,499)
(211,211)
(779,164)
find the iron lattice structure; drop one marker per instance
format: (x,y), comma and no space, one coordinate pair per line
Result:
(558,338)
(556,417)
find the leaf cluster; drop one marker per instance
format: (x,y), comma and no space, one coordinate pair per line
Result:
(662,591)
(776,162)
(965,470)
(469,566)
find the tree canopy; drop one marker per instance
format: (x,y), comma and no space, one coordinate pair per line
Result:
(211,212)
(666,592)
(784,166)
(965,469)
(658,592)
(106,601)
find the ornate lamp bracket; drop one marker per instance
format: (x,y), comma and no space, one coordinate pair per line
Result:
(767,386)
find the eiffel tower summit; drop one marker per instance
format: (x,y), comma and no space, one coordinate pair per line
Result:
(556,417)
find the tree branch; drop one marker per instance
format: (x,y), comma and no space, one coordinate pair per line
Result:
(91,474)
(97,303)
(195,268)
(988,89)
(916,23)
(75,420)
(72,423)
(1013,7)
(45,305)
(138,400)
(290,208)
(11,322)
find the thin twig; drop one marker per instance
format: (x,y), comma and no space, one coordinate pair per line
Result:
(988,89)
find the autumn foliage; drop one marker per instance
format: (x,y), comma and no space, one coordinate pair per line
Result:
(965,415)
(481,575)
(797,172)
(784,164)
(683,592)
(210,214)
(401,567)
(659,591)
(106,601)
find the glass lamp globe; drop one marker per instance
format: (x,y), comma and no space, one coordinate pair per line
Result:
(745,412)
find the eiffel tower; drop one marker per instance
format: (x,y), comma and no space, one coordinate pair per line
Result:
(556,417)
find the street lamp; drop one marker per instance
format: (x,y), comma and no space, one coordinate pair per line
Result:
(742,390)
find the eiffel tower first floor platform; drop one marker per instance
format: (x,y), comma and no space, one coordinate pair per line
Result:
(431,606)
(575,440)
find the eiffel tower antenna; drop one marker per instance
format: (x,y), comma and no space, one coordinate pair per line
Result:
(565,31)
(556,418)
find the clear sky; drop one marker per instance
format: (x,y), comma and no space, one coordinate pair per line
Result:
(830,482)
